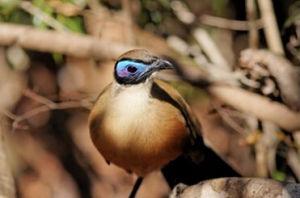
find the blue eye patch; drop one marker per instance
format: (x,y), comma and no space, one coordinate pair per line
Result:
(127,68)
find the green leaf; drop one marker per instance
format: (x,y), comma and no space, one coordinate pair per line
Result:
(292,19)
(8,9)
(46,8)
(19,16)
(37,22)
(279,175)
(165,3)
(73,23)
(57,57)
(156,17)
(9,2)
(219,5)
(7,6)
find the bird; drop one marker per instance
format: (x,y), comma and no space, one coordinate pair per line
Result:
(142,124)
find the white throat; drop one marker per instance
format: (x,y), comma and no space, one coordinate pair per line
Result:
(131,98)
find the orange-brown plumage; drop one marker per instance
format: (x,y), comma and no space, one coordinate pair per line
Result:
(147,142)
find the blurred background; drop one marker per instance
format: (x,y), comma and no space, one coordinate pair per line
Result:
(57,55)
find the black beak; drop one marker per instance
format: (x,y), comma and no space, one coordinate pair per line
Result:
(161,64)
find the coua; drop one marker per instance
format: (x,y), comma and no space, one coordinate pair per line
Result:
(142,124)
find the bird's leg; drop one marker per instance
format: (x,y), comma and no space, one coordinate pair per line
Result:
(136,187)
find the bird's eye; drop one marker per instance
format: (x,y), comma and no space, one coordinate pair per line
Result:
(131,69)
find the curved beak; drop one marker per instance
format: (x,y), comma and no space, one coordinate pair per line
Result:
(157,65)
(161,64)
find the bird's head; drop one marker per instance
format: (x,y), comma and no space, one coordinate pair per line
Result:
(136,66)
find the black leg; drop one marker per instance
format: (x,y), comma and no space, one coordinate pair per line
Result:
(136,187)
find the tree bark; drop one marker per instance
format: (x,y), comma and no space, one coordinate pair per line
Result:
(237,188)
(7,186)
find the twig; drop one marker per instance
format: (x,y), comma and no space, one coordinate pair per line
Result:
(281,69)
(271,140)
(261,154)
(182,12)
(294,162)
(251,17)
(266,149)
(12,117)
(44,108)
(28,7)
(247,81)
(211,50)
(7,185)
(27,115)
(260,106)
(230,23)
(8,114)
(63,42)
(38,98)
(270,26)
(246,101)
(48,105)
(226,117)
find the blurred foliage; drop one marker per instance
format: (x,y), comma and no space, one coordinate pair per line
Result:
(190,93)
(156,16)
(152,11)
(11,11)
(219,6)
(294,14)
(47,9)
(279,175)
(74,23)
(57,57)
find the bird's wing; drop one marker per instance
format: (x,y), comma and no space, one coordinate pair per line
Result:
(192,124)
(202,162)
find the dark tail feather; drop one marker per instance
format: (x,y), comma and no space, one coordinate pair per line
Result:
(184,170)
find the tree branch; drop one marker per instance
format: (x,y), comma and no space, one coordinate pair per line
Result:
(7,186)
(47,105)
(281,69)
(270,26)
(63,42)
(230,23)
(251,17)
(211,50)
(237,187)
(260,106)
